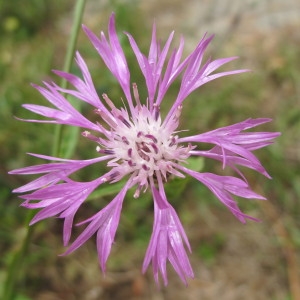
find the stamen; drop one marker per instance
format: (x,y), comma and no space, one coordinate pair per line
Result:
(131,164)
(173,141)
(122,119)
(129,152)
(124,139)
(136,95)
(137,192)
(105,151)
(146,168)
(86,133)
(139,134)
(103,142)
(110,176)
(113,175)
(109,102)
(90,136)
(155,148)
(108,119)
(151,137)
(144,147)
(143,155)
(156,109)
(178,112)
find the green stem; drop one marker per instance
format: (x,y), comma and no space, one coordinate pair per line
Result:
(15,266)
(17,262)
(68,64)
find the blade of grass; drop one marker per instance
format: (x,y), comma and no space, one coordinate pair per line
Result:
(67,67)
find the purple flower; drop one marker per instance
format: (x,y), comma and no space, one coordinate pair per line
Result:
(137,144)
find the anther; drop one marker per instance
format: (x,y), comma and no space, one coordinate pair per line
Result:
(136,95)
(155,148)
(124,139)
(151,137)
(90,136)
(139,134)
(143,155)
(145,148)
(131,164)
(146,168)
(178,112)
(173,141)
(108,101)
(105,151)
(137,192)
(122,119)
(107,118)
(110,176)
(156,111)
(129,152)
(113,175)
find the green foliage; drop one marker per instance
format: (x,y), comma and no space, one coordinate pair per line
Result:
(208,249)
(24,18)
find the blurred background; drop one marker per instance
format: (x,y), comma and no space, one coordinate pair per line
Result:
(231,261)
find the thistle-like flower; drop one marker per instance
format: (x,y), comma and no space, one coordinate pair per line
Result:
(138,144)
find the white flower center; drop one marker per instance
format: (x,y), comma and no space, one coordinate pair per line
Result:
(145,146)
(140,145)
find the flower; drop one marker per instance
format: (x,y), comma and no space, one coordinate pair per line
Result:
(137,144)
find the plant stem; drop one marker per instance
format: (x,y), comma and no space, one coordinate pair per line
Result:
(15,266)
(79,9)
(16,263)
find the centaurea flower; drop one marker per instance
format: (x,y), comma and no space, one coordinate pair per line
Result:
(139,145)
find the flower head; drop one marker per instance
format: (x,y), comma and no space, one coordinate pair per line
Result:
(137,144)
